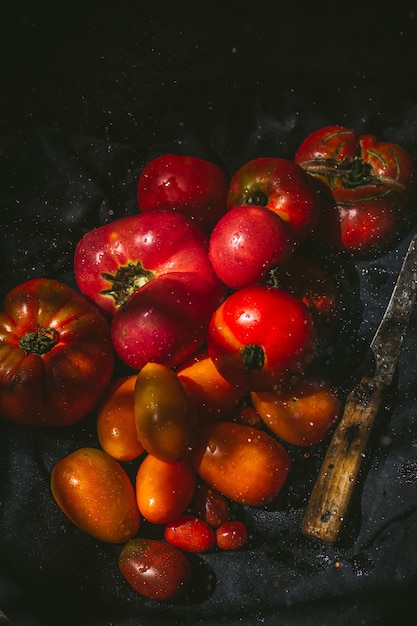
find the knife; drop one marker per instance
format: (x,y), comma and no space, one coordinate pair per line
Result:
(332,491)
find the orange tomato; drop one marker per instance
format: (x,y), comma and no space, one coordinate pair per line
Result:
(96,494)
(116,428)
(301,413)
(212,397)
(164,490)
(243,463)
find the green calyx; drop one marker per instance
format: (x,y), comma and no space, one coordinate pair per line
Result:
(128,279)
(253,357)
(39,342)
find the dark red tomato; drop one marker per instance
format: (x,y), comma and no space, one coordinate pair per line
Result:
(371,184)
(246,243)
(232,535)
(190,533)
(56,355)
(192,186)
(210,505)
(259,335)
(282,186)
(155,569)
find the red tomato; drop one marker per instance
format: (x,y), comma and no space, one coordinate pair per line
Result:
(152,264)
(371,183)
(246,243)
(245,464)
(56,356)
(210,505)
(95,493)
(192,186)
(164,490)
(189,533)
(259,335)
(155,569)
(232,535)
(282,186)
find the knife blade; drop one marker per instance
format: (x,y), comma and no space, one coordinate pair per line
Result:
(330,498)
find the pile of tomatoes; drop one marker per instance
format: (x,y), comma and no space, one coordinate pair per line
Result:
(207,297)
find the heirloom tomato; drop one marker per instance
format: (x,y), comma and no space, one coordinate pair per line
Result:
(152,273)
(371,184)
(259,335)
(96,494)
(244,464)
(281,186)
(187,184)
(56,355)
(155,569)
(245,243)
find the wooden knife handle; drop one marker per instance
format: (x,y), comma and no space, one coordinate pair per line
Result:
(330,498)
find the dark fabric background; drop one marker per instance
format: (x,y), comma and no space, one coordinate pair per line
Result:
(87,98)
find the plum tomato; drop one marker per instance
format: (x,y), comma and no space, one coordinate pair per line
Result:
(246,465)
(189,533)
(116,426)
(300,413)
(281,186)
(371,183)
(164,490)
(165,423)
(210,505)
(96,494)
(154,569)
(259,335)
(56,355)
(232,535)
(245,243)
(192,186)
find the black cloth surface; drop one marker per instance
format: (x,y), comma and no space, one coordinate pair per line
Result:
(88,98)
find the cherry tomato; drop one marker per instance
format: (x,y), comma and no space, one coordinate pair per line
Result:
(210,505)
(258,335)
(283,187)
(187,184)
(164,421)
(245,464)
(300,413)
(190,533)
(116,426)
(245,243)
(155,569)
(164,490)
(96,494)
(371,183)
(232,535)
(56,356)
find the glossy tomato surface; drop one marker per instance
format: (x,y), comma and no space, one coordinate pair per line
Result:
(56,355)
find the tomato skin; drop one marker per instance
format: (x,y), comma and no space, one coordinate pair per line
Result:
(192,186)
(245,243)
(261,321)
(232,535)
(96,494)
(371,182)
(210,505)
(116,426)
(190,533)
(164,422)
(283,187)
(61,385)
(300,413)
(155,569)
(244,464)
(164,490)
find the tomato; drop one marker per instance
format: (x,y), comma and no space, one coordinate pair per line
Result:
(116,426)
(300,413)
(165,423)
(245,243)
(371,183)
(232,535)
(152,274)
(56,355)
(259,335)
(211,396)
(192,186)
(282,186)
(189,533)
(96,494)
(155,569)
(164,490)
(210,505)
(245,464)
